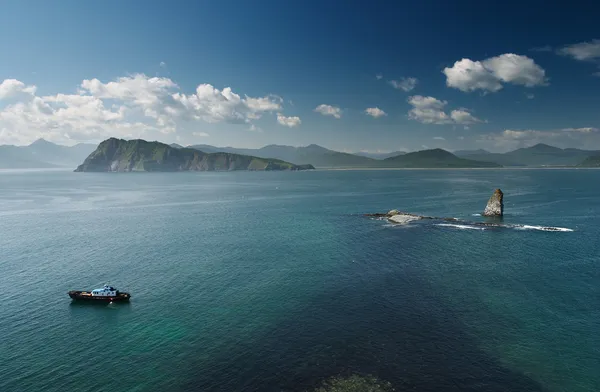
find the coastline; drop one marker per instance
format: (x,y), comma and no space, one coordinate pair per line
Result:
(456,168)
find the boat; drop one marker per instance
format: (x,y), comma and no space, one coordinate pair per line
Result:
(105,294)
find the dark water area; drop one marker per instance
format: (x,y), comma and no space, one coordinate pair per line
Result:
(276,281)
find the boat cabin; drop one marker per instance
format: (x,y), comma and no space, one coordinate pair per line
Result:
(106,291)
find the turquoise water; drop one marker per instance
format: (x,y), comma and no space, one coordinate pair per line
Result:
(274,281)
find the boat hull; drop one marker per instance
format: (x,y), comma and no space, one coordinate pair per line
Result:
(77,295)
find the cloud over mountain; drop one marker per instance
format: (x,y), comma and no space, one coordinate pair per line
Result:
(131,106)
(430,110)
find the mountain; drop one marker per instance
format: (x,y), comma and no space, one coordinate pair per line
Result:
(118,155)
(377,155)
(312,154)
(43,154)
(462,153)
(591,161)
(538,155)
(436,158)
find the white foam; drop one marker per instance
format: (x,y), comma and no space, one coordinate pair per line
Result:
(475,214)
(463,227)
(541,228)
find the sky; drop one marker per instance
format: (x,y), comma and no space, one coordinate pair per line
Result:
(374,76)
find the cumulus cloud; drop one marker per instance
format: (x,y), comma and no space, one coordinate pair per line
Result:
(462,116)
(213,105)
(131,106)
(379,76)
(328,110)
(288,121)
(582,51)
(430,110)
(10,88)
(405,84)
(375,112)
(490,74)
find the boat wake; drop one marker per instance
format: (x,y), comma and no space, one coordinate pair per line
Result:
(541,228)
(406,219)
(462,227)
(485,226)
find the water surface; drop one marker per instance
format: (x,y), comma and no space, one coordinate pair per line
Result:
(274,281)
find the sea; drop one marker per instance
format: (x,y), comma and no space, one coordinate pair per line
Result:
(276,281)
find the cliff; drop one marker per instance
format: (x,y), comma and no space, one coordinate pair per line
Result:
(118,155)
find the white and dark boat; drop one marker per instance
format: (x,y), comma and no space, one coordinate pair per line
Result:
(105,294)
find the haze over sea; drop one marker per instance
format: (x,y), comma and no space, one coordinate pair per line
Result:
(273,281)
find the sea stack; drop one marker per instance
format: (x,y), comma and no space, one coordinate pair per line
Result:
(495,206)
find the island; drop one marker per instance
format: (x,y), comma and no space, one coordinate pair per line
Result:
(118,155)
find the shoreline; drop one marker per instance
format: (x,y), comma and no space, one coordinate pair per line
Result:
(456,168)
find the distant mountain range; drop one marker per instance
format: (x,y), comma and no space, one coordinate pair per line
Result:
(538,155)
(325,158)
(436,158)
(313,154)
(43,154)
(118,155)
(379,155)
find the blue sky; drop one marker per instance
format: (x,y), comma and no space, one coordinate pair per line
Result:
(375,76)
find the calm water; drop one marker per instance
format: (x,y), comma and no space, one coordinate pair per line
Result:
(274,281)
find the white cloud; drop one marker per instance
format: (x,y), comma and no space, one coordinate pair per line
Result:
(467,75)
(582,51)
(200,134)
(438,138)
(328,110)
(516,69)
(264,104)
(462,116)
(379,76)
(405,84)
(131,106)
(430,110)
(375,112)
(162,64)
(288,121)
(10,88)
(581,130)
(529,96)
(489,74)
